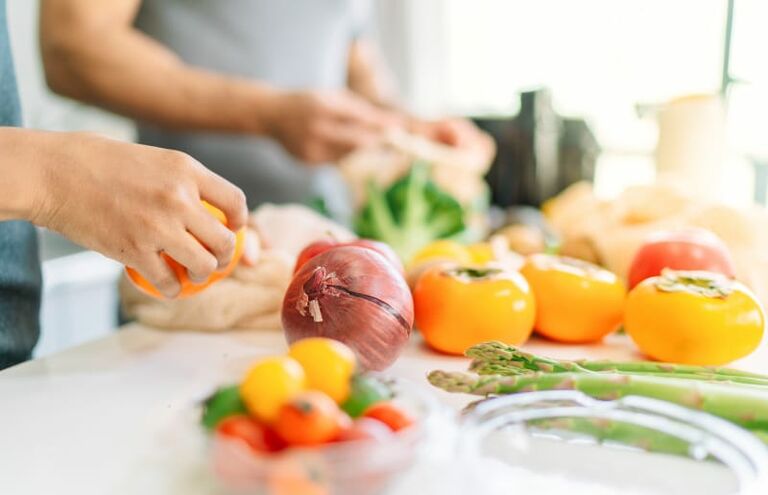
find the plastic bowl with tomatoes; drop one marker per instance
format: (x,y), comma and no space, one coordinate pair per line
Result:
(249,459)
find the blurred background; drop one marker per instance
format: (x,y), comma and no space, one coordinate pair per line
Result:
(621,89)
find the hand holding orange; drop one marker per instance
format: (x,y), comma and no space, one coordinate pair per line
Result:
(188,287)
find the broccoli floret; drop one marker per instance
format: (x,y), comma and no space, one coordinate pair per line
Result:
(410,214)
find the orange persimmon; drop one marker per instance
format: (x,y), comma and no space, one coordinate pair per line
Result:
(458,307)
(576,301)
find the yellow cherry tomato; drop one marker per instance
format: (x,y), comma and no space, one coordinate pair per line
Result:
(481,253)
(459,307)
(576,301)
(700,318)
(443,250)
(269,384)
(328,365)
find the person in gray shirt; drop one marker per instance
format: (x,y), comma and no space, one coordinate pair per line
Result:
(127,201)
(256,89)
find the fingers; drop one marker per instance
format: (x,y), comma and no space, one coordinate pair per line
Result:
(356,111)
(224,196)
(198,261)
(252,248)
(212,234)
(342,139)
(155,269)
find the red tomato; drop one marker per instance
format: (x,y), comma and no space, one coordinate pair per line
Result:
(366,429)
(312,418)
(322,246)
(389,414)
(257,436)
(690,249)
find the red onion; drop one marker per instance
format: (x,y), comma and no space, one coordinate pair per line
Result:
(354,295)
(323,245)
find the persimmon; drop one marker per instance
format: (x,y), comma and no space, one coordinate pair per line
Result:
(460,306)
(576,301)
(189,288)
(694,317)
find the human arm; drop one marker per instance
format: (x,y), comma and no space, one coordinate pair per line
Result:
(368,76)
(93,53)
(129,202)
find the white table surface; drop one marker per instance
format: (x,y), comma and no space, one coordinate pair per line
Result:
(99,418)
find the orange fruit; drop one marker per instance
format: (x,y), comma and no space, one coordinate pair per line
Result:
(576,301)
(460,306)
(189,288)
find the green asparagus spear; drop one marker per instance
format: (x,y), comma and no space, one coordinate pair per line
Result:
(502,359)
(746,406)
(604,430)
(485,368)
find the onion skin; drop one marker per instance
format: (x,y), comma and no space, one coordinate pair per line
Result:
(321,246)
(354,295)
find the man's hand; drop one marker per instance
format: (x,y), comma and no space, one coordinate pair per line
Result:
(460,133)
(323,126)
(131,203)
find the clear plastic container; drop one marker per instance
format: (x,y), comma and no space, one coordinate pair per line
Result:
(547,443)
(350,468)
(567,436)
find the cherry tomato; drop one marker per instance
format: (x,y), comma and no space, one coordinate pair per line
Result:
(269,384)
(576,301)
(311,418)
(366,391)
(366,429)
(690,249)
(225,402)
(390,414)
(322,246)
(328,365)
(699,318)
(295,475)
(459,307)
(257,436)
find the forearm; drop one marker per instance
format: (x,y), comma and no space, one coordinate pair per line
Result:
(22,175)
(121,69)
(368,76)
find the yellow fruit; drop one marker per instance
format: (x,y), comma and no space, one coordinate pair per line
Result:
(269,384)
(481,253)
(328,365)
(443,250)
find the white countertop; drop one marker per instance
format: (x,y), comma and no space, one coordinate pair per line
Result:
(100,418)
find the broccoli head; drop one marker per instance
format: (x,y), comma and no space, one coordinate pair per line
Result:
(410,213)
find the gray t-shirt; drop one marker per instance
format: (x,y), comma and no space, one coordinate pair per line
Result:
(19,265)
(290,43)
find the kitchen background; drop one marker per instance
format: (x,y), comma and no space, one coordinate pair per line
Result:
(612,63)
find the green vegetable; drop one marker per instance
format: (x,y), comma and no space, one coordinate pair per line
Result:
(735,395)
(365,392)
(629,434)
(410,214)
(496,358)
(225,402)
(746,406)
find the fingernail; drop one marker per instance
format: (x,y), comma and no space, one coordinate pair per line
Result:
(197,279)
(223,264)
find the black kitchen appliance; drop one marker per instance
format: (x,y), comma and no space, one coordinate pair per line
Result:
(539,154)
